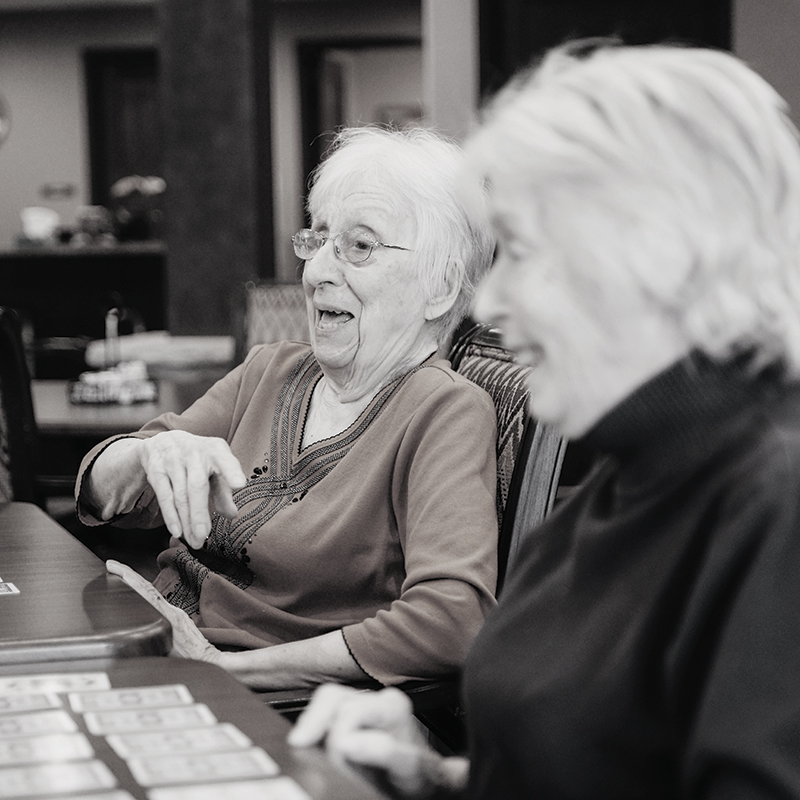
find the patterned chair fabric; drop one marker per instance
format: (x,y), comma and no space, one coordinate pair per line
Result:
(494,370)
(274,312)
(529,454)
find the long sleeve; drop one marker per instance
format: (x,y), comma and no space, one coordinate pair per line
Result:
(444,481)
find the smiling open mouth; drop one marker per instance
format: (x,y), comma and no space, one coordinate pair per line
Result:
(327,318)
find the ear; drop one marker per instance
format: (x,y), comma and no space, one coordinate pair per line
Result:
(442,303)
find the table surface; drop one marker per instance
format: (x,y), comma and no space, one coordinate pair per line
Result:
(67,607)
(55,415)
(228,700)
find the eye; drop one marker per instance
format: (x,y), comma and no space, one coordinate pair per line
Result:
(362,242)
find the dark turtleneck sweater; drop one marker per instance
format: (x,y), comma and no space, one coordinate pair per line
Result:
(647,644)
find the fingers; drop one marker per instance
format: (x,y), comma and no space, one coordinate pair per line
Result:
(187,641)
(407,765)
(186,471)
(193,504)
(373,729)
(316,720)
(222,497)
(337,710)
(139,584)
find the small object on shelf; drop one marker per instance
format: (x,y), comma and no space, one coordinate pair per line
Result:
(125,384)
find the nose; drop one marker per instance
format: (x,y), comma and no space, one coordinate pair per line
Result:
(490,299)
(324,267)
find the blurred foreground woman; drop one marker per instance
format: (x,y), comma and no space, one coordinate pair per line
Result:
(647,645)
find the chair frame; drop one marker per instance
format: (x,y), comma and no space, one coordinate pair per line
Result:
(17,401)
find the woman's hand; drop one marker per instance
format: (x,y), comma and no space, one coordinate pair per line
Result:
(377,729)
(188,474)
(187,641)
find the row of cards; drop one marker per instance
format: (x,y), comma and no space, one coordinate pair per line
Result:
(174,747)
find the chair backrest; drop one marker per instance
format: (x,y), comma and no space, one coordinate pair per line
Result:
(18,433)
(274,312)
(529,454)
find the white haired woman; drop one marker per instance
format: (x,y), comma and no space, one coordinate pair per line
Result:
(647,644)
(353,480)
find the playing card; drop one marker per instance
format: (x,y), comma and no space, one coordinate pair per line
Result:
(36,723)
(38,701)
(25,684)
(42,749)
(138,697)
(281,788)
(215,739)
(101,723)
(186,768)
(70,777)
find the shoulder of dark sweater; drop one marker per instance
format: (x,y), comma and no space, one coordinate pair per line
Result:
(695,409)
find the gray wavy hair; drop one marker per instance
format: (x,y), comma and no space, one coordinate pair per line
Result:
(669,171)
(421,170)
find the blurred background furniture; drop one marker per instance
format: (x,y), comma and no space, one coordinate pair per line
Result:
(19,444)
(272,312)
(62,294)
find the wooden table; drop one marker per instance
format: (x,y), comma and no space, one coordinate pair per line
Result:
(68,431)
(67,606)
(302,773)
(56,416)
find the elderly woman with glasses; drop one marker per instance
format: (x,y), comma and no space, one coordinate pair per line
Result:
(352,480)
(647,644)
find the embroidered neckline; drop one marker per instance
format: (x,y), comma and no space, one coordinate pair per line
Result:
(290,474)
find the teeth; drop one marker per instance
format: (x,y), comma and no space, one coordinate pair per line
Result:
(328,317)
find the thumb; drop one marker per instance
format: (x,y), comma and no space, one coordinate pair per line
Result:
(222,497)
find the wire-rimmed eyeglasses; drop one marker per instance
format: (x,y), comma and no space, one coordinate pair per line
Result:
(353,246)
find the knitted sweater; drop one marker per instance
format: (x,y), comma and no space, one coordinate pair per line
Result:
(647,644)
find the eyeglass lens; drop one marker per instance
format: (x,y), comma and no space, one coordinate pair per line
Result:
(353,246)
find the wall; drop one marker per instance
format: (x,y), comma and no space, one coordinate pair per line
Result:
(314,20)
(766,34)
(379,77)
(41,76)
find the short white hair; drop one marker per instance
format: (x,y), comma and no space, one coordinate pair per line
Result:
(420,169)
(671,171)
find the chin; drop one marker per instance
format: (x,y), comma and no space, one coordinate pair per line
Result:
(332,357)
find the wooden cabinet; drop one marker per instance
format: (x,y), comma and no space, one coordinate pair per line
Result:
(63,294)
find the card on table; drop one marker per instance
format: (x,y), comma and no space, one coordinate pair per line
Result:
(69,777)
(44,749)
(38,701)
(218,738)
(282,788)
(61,682)
(186,768)
(39,722)
(136,697)
(102,723)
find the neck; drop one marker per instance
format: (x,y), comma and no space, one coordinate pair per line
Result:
(329,414)
(352,383)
